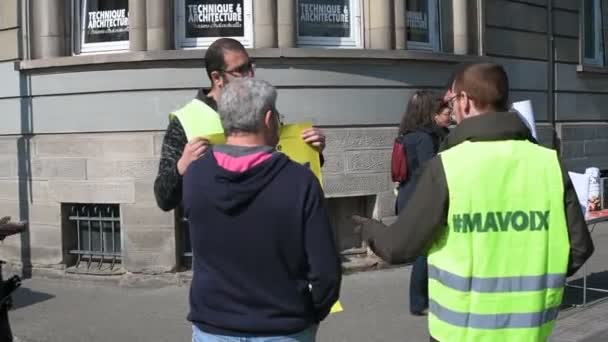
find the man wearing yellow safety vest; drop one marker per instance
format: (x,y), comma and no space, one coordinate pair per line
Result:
(498,218)
(225,60)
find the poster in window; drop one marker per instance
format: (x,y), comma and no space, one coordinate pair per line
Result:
(214,18)
(106,21)
(417,21)
(324,18)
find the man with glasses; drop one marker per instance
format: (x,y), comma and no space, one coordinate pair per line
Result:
(497,216)
(225,60)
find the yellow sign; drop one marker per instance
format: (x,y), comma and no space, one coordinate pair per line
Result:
(292,144)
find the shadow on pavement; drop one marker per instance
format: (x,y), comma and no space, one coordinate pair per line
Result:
(25,297)
(574,296)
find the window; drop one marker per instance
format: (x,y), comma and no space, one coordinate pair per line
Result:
(92,236)
(593,38)
(200,22)
(329,23)
(101,25)
(422,22)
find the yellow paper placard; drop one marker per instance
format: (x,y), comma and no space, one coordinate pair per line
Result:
(336,308)
(216,139)
(292,144)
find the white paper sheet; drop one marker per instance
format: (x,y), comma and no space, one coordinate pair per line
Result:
(525,111)
(581,186)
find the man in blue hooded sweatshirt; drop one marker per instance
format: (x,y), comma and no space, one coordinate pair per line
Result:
(265,264)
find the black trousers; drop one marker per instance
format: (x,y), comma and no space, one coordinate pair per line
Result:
(419,285)
(5,328)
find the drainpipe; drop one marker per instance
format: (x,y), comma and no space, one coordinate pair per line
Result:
(551,71)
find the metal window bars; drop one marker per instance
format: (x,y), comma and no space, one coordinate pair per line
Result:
(97,229)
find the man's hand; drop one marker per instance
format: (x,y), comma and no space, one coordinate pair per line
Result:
(8,227)
(192,151)
(315,138)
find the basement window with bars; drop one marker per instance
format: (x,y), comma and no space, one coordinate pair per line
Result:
(92,235)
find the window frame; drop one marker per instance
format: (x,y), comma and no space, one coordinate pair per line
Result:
(598,59)
(355,41)
(80,47)
(434,29)
(182,42)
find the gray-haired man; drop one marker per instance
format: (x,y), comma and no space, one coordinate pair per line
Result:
(265,260)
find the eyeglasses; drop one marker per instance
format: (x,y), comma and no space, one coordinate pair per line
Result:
(450,101)
(247,69)
(279,116)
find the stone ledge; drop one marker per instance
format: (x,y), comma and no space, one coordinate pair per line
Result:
(273,53)
(589,69)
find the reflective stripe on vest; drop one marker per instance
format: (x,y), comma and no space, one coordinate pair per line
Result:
(496,321)
(497,271)
(497,284)
(198,119)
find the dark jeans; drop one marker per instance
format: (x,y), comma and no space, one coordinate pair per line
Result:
(419,285)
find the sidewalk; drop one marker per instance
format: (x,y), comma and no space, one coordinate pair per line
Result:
(375,310)
(584,325)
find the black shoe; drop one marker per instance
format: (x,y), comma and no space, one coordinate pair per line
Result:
(419,313)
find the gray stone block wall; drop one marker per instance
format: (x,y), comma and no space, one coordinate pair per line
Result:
(120,168)
(85,168)
(584,145)
(356,178)
(357,161)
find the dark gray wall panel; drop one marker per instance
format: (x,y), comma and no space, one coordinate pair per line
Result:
(567,79)
(148,110)
(566,50)
(506,43)
(525,74)
(539,102)
(411,74)
(535,2)
(581,107)
(567,4)
(70,82)
(565,23)
(344,106)
(516,15)
(106,112)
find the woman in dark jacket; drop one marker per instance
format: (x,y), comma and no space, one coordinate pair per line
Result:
(422,128)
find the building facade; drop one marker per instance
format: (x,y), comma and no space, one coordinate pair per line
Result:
(86,87)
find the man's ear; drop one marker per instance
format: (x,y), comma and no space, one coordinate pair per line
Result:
(467,103)
(216,79)
(268,118)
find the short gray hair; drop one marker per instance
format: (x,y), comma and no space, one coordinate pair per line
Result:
(243,104)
